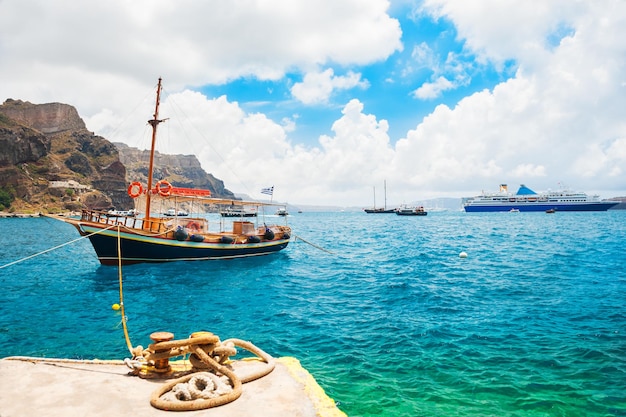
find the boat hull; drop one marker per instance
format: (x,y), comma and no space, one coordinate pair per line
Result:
(381,211)
(485,207)
(136,248)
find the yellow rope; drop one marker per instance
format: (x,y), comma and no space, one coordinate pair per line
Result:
(119,269)
(204,348)
(119,256)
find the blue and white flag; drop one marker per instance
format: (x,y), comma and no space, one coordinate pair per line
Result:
(268,190)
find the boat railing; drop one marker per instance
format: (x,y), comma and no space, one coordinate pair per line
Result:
(155,225)
(96,216)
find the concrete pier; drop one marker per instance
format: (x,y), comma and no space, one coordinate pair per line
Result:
(59,387)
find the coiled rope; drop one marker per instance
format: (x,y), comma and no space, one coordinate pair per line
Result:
(209,357)
(196,391)
(199,390)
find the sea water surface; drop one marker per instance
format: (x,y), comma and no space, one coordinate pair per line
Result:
(388,318)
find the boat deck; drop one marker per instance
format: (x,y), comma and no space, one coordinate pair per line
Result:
(57,387)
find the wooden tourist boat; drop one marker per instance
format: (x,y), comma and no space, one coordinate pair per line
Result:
(132,239)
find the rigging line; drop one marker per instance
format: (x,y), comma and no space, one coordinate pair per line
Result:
(315,246)
(54,248)
(115,129)
(179,111)
(119,269)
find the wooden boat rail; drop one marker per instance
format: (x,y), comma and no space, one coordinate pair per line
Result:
(155,225)
(241,230)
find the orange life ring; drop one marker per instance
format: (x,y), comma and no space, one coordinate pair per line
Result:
(164,188)
(193,226)
(135,189)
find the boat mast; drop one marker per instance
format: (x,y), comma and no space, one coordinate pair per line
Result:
(385,195)
(154,122)
(374,187)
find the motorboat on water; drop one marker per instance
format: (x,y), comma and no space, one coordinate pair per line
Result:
(122,213)
(528,200)
(238,212)
(411,211)
(174,213)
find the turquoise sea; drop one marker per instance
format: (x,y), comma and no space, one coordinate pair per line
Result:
(392,322)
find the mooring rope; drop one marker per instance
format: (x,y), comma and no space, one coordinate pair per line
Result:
(122,308)
(198,390)
(206,388)
(56,247)
(315,246)
(203,388)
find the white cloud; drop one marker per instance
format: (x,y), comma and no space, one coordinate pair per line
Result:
(75,51)
(500,30)
(423,56)
(558,119)
(529,171)
(247,151)
(434,89)
(317,87)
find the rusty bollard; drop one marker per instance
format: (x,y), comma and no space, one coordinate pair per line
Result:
(162,365)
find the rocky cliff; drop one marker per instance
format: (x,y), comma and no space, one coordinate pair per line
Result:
(179,170)
(50,162)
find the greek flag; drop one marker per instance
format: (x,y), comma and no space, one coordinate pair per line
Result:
(268,190)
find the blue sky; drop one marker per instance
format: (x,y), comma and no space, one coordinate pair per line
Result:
(327,99)
(390,83)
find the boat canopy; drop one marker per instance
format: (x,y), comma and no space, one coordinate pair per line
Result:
(523,190)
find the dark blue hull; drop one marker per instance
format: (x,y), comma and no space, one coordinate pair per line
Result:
(600,206)
(137,248)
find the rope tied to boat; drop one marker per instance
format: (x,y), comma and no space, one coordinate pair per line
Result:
(312,244)
(213,381)
(56,247)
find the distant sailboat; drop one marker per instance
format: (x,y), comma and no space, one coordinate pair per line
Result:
(383,209)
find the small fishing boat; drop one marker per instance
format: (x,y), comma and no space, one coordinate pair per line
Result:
(132,239)
(122,213)
(174,213)
(238,212)
(282,211)
(411,211)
